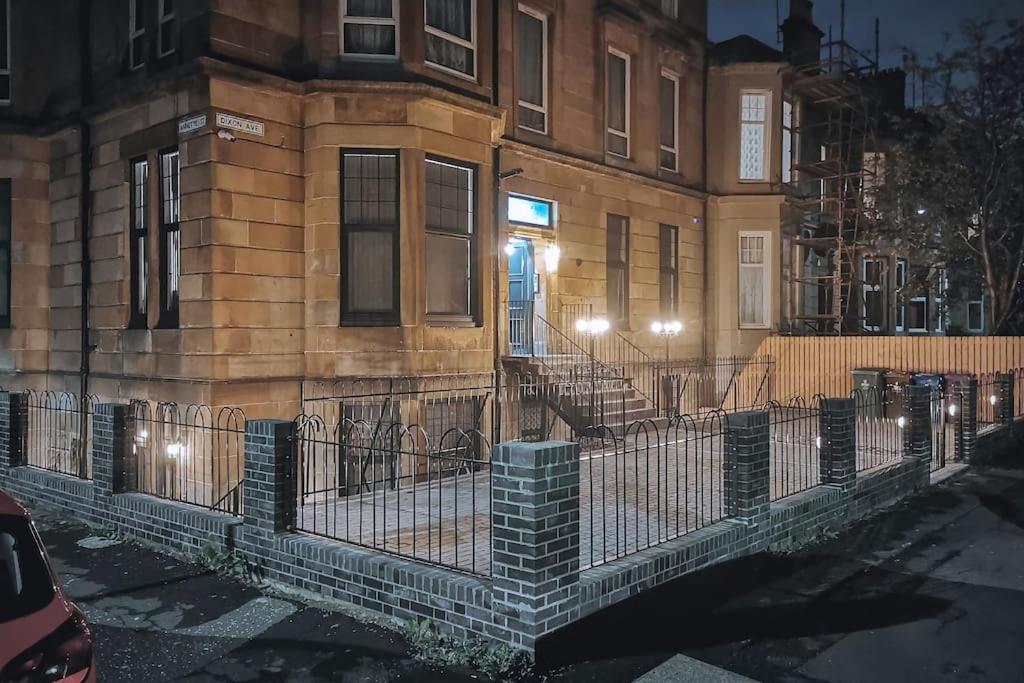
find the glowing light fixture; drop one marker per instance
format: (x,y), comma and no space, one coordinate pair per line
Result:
(551,255)
(993,399)
(593,326)
(666,328)
(901,422)
(952,410)
(817,442)
(509,249)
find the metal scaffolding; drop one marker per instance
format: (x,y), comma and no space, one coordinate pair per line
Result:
(833,116)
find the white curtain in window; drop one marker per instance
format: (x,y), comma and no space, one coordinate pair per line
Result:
(752,136)
(753,286)
(369,27)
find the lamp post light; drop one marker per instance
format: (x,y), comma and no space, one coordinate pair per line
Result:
(666,330)
(592,328)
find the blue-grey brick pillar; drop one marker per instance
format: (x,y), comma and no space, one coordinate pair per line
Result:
(917,422)
(535,518)
(13,429)
(1004,398)
(112,440)
(838,434)
(746,479)
(269,490)
(966,420)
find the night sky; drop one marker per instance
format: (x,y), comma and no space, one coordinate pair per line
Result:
(919,24)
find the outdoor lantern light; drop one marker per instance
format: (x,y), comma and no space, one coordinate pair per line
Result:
(817,442)
(993,399)
(901,422)
(952,410)
(142,436)
(176,450)
(551,255)
(593,326)
(921,212)
(509,249)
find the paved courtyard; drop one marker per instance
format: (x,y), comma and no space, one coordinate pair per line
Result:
(632,496)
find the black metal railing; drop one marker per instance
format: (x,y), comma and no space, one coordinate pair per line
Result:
(945,429)
(652,483)
(879,427)
(988,401)
(59,426)
(697,386)
(794,445)
(188,453)
(394,488)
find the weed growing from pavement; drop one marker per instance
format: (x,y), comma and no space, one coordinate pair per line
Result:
(112,534)
(229,563)
(499,662)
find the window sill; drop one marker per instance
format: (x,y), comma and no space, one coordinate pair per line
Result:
(452,72)
(451,321)
(755,327)
(390,323)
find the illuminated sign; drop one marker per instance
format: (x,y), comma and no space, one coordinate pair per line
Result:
(526,211)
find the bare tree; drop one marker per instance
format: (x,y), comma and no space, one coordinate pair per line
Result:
(954,183)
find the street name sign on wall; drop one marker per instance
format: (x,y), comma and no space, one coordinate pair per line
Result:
(190,124)
(238,123)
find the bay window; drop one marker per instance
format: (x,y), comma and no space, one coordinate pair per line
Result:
(170,236)
(790,141)
(753,135)
(370,237)
(754,284)
(451,242)
(138,220)
(532,69)
(451,35)
(369,28)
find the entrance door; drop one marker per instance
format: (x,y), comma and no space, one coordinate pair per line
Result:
(521,297)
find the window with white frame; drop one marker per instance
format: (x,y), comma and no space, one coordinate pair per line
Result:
(790,144)
(753,135)
(754,285)
(872,294)
(670,8)
(917,314)
(165,28)
(451,35)
(532,69)
(138,220)
(369,28)
(901,283)
(669,156)
(976,316)
(5,52)
(617,102)
(136,33)
(170,236)
(941,285)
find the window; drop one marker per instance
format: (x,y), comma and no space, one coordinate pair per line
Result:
(668,280)
(165,30)
(901,283)
(941,285)
(538,213)
(370,237)
(753,134)
(6,264)
(139,237)
(617,260)
(754,285)
(872,294)
(790,141)
(532,69)
(451,242)
(369,28)
(136,33)
(917,312)
(170,237)
(976,315)
(617,103)
(668,158)
(451,35)
(670,8)
(5,52)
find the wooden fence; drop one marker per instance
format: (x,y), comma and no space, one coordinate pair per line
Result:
(805,366)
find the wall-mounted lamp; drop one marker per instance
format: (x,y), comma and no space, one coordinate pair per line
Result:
(509,249)
(551,256)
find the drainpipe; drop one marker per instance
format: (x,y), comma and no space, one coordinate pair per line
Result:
(707,197)
(496,217)
(85,155)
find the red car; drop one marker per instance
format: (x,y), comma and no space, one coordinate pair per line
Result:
(43,635)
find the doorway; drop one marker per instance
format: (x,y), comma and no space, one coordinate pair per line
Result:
(523,284)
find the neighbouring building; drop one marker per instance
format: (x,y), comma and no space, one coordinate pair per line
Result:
(221,202)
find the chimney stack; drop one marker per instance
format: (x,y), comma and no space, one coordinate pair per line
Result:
(801,38)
